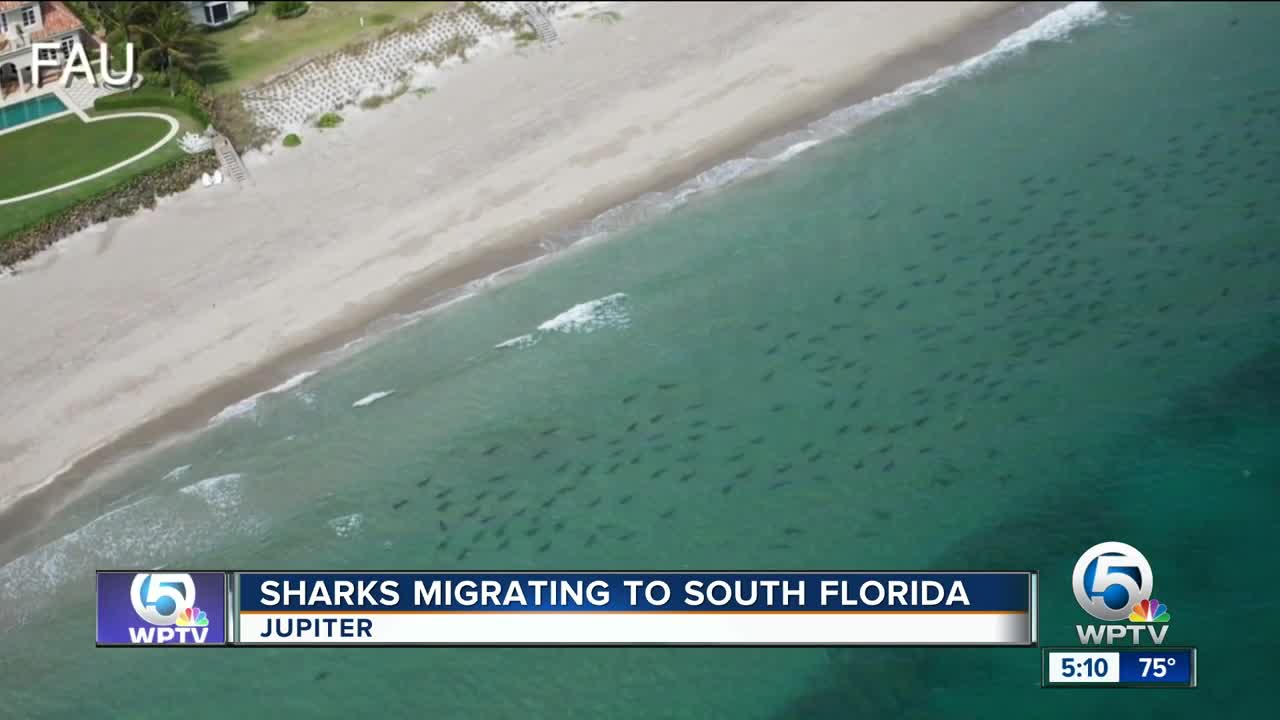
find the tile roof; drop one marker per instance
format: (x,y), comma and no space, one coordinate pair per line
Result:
(7,6)
(57,20)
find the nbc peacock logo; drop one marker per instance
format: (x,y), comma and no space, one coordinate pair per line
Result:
(1149,611)
(192,617)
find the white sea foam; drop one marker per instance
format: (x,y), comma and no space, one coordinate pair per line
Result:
(1053,27)
(347,525)
(249,405)
(372,398)
(293,382)
(610,311)
(718,177)
(518,342)
(239,409)
(436,307)
(794,150)
(508,273)
(147,532)
(176,473)
(222,493)
(28,581)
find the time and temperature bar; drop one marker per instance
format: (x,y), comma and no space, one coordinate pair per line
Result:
(1166,667)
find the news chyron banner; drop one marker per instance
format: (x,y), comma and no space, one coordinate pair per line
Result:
(504,609)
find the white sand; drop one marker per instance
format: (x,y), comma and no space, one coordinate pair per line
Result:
(123,323)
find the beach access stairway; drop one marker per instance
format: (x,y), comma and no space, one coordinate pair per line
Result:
(541,23)
(232,166)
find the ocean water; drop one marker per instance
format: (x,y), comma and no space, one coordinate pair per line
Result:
(1026,306)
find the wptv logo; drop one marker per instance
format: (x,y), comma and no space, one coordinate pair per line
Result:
(167,602)
(1113,582)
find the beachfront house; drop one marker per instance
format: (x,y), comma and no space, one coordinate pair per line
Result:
(24,23)
(217,13)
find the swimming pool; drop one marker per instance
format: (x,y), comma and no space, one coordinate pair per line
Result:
(34,109)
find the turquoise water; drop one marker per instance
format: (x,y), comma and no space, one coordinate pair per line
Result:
(29,110)
(1032,311)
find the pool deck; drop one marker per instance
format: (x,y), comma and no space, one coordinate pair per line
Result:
(78,96)
(71,107)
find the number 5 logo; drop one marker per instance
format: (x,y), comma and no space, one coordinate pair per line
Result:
(1105,571)
(158,598)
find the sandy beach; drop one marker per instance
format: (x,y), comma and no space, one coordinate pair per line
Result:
(151,325)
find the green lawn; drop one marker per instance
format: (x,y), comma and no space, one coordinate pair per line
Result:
(261,46)
(61,150)
(57,151)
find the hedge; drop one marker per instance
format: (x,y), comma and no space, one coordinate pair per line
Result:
(285,10)
(146,98)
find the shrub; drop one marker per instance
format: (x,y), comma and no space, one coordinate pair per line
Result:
(191,97)
(374,102)
(457,45)
(235,121)
(329,120)
(198,94)
(490,19)
(283,10)
(151,96)
(292,140)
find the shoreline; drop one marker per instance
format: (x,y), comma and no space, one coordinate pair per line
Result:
(983,26)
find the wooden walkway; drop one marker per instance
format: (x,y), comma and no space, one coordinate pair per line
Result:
(541,23)
(232,166)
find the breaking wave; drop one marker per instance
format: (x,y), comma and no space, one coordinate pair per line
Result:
(249,405)
(610,311)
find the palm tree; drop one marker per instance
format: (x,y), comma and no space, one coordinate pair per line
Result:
(175,45)
(125,21)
